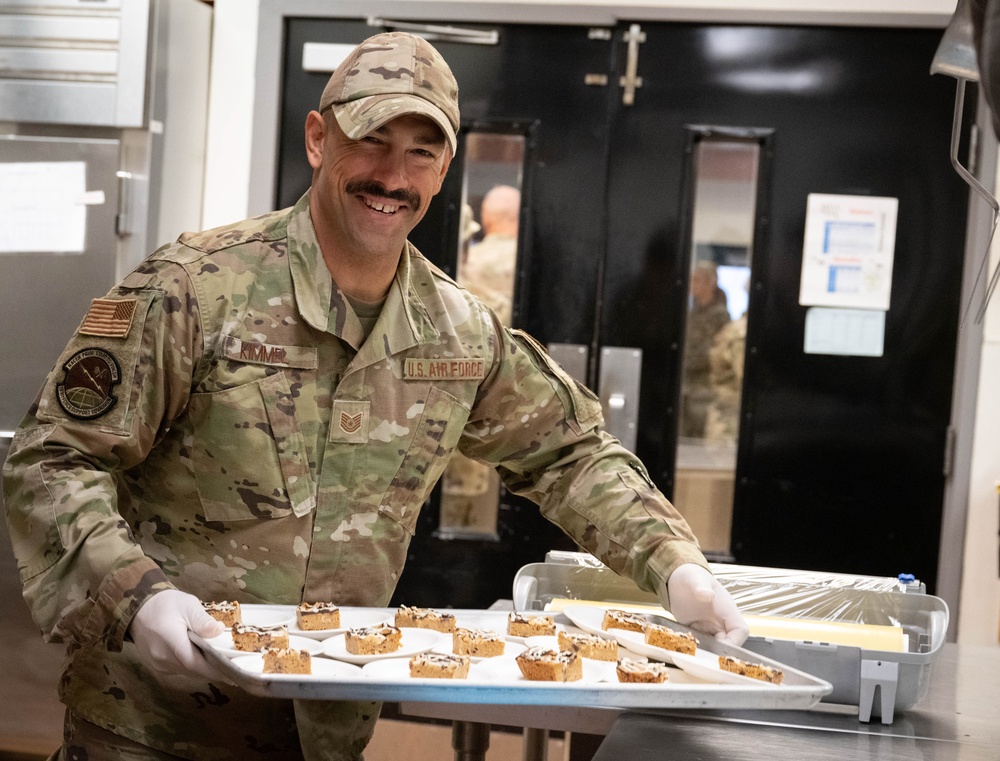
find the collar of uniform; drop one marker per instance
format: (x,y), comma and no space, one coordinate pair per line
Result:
(310,277)
(404,321)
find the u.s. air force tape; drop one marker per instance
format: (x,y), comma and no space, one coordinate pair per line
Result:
(454,368)
(85,390)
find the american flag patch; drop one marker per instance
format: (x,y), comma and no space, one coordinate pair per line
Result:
(110,318)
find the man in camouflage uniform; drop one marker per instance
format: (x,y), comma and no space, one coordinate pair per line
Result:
(488,270)
(707,316)
(726,374)
(259,411)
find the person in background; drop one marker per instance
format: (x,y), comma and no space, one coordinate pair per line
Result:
(258,412)
(488,270)
(726,359)
(706,317)
(469,229)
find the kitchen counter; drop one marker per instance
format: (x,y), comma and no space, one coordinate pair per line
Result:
(958,720)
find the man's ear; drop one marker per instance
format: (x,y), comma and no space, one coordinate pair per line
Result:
(315,137)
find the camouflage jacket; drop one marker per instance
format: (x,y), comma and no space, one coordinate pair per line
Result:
(488,271)
(216,424)
(703,322)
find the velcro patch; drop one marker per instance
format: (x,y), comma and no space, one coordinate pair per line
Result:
(302,357)
(109,318)
(455,368)
(89,377)
(349,423)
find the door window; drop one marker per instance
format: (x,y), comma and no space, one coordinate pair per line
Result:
(723,210)
(487,266)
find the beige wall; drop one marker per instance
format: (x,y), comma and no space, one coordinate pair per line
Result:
(979,616)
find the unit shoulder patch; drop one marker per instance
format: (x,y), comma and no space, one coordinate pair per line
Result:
(89,378)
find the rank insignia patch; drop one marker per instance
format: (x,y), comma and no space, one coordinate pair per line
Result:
(109,318)
(350,423)
(90,376)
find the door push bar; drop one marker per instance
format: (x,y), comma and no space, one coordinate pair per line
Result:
(620,375)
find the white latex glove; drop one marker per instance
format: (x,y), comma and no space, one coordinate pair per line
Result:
(160,633)
(698,600)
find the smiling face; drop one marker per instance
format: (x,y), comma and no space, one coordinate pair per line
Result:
(368,194)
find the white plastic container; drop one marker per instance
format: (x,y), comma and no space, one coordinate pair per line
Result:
(880,682)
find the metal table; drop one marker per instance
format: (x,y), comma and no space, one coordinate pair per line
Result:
(958,720)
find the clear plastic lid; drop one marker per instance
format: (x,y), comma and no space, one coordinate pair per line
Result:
(787,593)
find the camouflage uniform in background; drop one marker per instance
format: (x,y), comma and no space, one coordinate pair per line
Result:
(489,273)
(703,322)
(217,424)
(726,359)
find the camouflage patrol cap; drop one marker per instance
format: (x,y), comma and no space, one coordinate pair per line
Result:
(389,75)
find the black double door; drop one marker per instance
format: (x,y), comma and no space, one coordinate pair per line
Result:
(840,458)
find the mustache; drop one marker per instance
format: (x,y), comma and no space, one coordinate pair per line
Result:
(375,188)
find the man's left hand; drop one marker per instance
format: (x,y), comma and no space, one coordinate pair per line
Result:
(698,600)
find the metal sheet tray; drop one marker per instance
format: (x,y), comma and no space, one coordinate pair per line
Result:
(799,690)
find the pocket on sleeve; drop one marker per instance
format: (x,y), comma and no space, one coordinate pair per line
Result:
(31,513)
(249,456)
(582,404)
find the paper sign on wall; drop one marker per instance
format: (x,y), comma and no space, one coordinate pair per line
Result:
(43,206)
(847,254)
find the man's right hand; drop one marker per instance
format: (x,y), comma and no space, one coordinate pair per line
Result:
(160,633)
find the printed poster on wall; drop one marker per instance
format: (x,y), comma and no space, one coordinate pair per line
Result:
(848,251)
(43,207)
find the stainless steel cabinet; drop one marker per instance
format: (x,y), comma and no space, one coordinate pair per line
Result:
(44,294)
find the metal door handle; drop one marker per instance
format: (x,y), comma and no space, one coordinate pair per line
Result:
(631,80)
(617,421)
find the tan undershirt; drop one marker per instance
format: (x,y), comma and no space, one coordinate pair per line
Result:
(367,312)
